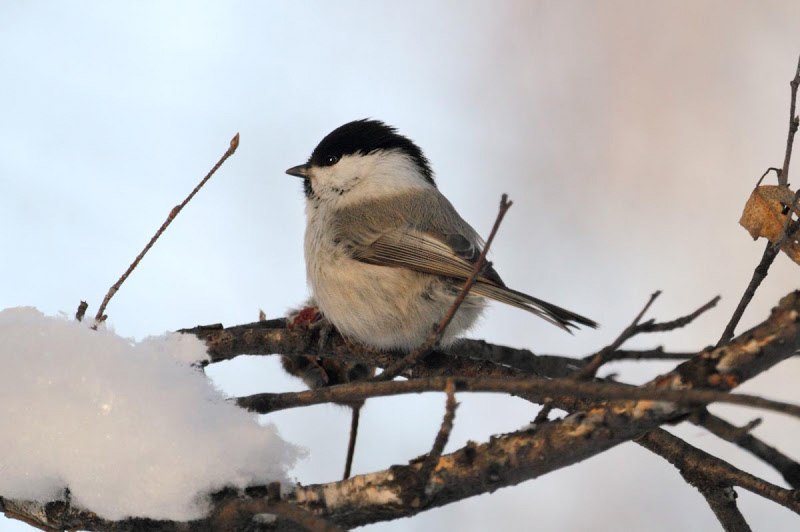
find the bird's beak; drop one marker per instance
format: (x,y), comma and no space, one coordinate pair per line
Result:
(301,170)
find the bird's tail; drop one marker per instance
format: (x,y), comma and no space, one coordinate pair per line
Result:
(556,315)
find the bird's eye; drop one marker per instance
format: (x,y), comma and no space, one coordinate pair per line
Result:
(330,160)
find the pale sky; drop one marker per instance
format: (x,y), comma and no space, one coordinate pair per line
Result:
(628,135)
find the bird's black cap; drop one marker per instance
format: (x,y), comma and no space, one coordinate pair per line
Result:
(363,137)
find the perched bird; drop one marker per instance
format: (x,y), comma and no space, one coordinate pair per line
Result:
(386,253)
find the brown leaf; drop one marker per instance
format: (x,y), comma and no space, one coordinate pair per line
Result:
(765,216)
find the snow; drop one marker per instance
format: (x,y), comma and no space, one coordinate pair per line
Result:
(132,429)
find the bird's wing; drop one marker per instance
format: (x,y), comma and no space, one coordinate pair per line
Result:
(426,253)
(419,230)
(418,251)
(415,240)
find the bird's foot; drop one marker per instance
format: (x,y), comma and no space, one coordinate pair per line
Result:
(304,318)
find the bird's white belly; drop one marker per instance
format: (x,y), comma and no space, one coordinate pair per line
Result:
(380,306)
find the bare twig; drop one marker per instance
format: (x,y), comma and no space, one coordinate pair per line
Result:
(429,464)
(761,271)
(595,361)
(771,251)
(767,171)
(100,317)
(599,358)
(355,415)
(759,274)
(741,436)
(607,353)
(707,472)
(81,312)
(395,369)
(530,387)
(683,321)
(783,177)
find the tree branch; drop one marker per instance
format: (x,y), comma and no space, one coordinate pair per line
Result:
(656,353)
(273,337)
(100,317)
(783,177)
(699,467)
(432,459)
(607,353)
(513,458)
(532,388)
(771,251)
(741,436)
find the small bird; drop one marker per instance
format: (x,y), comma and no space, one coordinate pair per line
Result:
(386,253)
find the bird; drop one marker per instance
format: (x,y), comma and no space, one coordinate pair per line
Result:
(386,253)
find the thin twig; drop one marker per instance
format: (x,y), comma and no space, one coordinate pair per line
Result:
(81,312)
(100,317)
(599,358)
(264,403)
(395,369)
(429,465)
(761,271)
(355,415)
(759,274)
(683,321)
(767,171)
(608,353)
(783,177)
(741,436)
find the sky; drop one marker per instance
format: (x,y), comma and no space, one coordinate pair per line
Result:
(629,135)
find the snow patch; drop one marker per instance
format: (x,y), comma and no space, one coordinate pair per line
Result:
(130,428)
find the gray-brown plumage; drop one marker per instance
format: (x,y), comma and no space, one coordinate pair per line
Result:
(386,252)
(429,236)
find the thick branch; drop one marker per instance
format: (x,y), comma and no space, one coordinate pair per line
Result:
(513,458)
(656,353)
(474,357)
(722,500)
(704,470)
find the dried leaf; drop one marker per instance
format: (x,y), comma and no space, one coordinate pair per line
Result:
(765,215)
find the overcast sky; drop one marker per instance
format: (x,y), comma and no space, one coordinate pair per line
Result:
(628,136)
